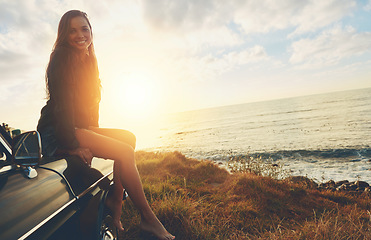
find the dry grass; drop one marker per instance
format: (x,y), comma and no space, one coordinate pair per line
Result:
(198,200)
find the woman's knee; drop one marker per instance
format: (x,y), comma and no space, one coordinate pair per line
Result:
(132,139)
(127,137)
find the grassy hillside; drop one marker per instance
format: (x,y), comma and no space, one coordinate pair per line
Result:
(199,200)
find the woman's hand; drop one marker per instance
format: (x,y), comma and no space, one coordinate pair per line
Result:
(84,153)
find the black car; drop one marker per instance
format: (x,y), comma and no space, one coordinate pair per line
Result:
(51,198)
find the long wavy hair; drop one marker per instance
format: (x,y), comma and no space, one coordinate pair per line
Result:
(92,82)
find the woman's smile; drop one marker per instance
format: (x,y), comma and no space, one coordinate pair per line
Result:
(81,43)
(80,33)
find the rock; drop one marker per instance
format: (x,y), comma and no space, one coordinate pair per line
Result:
(330,183)
(327,185)
(338,184)
(343,187)
(353,187)
(362,184)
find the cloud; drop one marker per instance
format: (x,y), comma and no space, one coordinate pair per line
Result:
(251,55)
(264,16)
(367,7)
(11,65)
(319,14)
(190,17)
(182,15)
(302,16)
(330,47)
(25,39)
(198,24)
(210,67)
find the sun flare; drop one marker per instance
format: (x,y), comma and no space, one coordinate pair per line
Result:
(136,96)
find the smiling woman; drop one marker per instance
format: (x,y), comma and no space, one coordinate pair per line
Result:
(69,122)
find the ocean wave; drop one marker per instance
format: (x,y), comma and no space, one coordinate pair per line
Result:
(344,154)
(350,154)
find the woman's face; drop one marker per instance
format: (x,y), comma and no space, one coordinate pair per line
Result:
(80,33)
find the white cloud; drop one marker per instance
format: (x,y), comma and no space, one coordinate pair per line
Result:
(318,14)
(367,7)
(182,15)
(254,54)
(302,16)
(209,67)
(330,47)
(189,17)
(26,38)
(198,24)
(263,16)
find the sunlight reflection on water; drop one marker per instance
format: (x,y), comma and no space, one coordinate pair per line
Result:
(334,121)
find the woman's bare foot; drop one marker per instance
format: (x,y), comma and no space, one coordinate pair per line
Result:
(115,206)
(155,227)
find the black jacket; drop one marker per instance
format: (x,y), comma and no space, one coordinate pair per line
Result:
(72,102)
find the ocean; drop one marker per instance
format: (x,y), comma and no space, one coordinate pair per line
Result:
(323,137)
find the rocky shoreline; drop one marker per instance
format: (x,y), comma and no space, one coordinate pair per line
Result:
(342,186)
(345,185)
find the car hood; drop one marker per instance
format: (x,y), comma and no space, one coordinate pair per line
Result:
(26,203)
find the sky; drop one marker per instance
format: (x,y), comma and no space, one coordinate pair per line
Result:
(161,56)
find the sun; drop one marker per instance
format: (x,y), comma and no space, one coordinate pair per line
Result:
(134,102)
(137,97)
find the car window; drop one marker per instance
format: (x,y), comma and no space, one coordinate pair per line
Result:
(5,148)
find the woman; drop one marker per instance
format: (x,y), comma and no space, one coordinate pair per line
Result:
(69,121)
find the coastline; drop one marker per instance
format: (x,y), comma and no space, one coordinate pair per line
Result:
(200,200)
(319,165)
(320,136)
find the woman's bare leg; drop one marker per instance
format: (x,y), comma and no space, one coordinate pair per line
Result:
(127,173)
(118,134)
(114,199)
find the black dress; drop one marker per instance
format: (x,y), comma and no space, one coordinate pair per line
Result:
(74,97)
